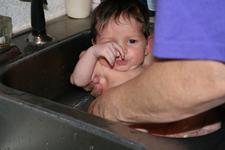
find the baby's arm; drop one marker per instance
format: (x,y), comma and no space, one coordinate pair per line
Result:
(82,74)
(83,70)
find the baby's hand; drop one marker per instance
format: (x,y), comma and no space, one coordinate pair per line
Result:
(110,51)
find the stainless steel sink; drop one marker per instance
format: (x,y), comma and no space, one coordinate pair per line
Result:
(46,73)
(27,127)
(40,109)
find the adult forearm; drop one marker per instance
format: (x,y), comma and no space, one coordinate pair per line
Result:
(166,91)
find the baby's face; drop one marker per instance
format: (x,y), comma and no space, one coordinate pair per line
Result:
(127,33)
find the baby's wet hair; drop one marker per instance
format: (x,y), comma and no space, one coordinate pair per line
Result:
(114,9)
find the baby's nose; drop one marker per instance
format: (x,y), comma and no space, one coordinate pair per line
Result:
(124,48)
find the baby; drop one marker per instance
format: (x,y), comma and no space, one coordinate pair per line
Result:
(121,50)
(121,45)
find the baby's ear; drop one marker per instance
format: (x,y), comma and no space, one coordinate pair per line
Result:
(149,45)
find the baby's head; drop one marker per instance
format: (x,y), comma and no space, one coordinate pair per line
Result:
(114,9)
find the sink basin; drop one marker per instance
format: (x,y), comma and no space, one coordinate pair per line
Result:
(40,109)
(46,73)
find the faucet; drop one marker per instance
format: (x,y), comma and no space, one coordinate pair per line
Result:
(38,35)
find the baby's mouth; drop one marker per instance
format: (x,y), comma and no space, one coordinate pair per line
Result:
(120,61)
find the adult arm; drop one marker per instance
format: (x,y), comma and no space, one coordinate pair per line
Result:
(166,91)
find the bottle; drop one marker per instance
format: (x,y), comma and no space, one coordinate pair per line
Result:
(5,31)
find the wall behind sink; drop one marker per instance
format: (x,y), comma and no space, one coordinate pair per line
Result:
(19,11)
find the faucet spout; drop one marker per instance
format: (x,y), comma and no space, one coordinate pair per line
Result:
(38,17)
(38,35)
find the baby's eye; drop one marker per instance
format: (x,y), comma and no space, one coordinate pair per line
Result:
(132,41)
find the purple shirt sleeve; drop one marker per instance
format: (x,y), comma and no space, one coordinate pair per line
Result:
(187,29)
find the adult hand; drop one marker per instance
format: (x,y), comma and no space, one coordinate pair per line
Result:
(97,108)
(107,107)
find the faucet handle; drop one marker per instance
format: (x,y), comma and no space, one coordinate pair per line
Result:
(44,2)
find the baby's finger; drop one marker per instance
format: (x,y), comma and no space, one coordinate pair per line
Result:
(119,50)
(110,59)
(109,55)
